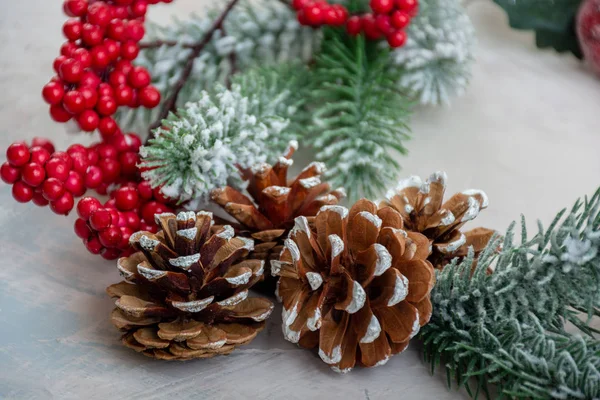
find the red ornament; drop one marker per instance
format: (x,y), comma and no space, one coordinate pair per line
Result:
(33,174)
(22,192)
(18,154)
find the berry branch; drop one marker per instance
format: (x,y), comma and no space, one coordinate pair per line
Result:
(171,102)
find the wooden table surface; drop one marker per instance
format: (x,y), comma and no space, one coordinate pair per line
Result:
(527,132)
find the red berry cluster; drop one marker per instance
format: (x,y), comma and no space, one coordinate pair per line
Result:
(317,13)
(389,19)
(95,74)
(106,228)
(47,177)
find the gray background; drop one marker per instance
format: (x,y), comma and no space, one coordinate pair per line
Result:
(526,133)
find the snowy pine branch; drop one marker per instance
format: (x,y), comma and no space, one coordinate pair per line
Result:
(358,116)
(508,328)
(435,64)
(255,33)
(200,147)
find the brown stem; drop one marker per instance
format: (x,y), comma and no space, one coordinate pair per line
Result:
(171,102)
(159,43)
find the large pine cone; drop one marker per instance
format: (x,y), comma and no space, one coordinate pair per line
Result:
(421,207)
(356,285)
(185,293)
(268,214)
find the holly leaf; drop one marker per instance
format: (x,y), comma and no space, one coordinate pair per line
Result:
(552,20)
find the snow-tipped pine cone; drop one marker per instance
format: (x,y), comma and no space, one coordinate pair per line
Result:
(268,214)
(185,293)
(355,284)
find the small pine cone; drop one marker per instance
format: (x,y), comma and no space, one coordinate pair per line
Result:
(268,214)
(355,285)
(185,293)
(421,207)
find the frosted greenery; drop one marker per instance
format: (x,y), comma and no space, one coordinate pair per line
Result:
(509,328)
(255,33)
(435,64)
(361,119)
(200,148)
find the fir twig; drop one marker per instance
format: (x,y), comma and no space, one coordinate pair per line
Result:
(171,103)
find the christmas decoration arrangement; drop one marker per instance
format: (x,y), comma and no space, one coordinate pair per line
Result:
(221,103)
(564,25)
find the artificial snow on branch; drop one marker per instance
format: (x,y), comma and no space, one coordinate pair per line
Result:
(508,328)
(359,117)
(435,64)
(254,33)
(201,146)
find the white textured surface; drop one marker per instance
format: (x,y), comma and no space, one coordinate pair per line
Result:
(526,133)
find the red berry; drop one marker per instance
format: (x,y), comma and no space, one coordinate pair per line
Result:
(52,189)
(407,5)
(93,245)
(105,90)
(129,50)
(80,162)
(33,174)
(121,12)
(106,106)
(76,149)
(99,14)
(100,57)
(138,8)
(102,189)
(38,199)
(126,198)
(107,151)
(145,190)
(59,114)
(45,143)
(100,219)
(72,29)
(300,4)
(116,30)
(314,15)
(74,102)
(71,70)
(129,161)
(107,127)
(133,142)
(111,254)
(89,79)
(57,168)
(18,154)
(113,49)
(87,206)
(39,155)
(82,229)
(93,177)
(88,120)
(341,13)
(61,155)
(400,19)
(84,57)
(384,24)
(381,6)
(397,39)
(68,48)
(63,205)
(151,208)
(53,92)
(132,220)
(117,78)
(75,8)
(354,25)
(111,170)
(90,97)
(93,156)
(110,237)
(123,95)
(134,30)
(74,184)
(126,232)
(138,77)
(22,192)
(160,196)
(123,66)
(370,27)
(9,174)
(149,97)
(58,62)
(92,35)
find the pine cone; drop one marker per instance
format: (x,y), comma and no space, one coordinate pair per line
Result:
(355,284)
(185,293)
(268,214)
(420,204)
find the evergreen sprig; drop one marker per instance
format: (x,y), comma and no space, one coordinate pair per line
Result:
(360,116)
(509,328)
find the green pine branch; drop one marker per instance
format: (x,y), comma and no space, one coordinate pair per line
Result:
(509,328)
(358,114)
